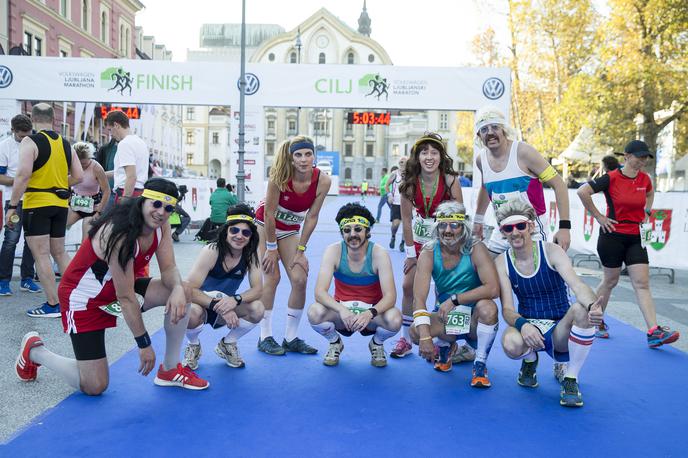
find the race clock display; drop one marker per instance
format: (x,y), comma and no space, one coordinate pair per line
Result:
(368,117)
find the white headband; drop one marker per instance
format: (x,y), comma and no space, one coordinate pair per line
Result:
(485,122)
(513,219)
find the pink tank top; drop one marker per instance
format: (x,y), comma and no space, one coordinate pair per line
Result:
(89,186)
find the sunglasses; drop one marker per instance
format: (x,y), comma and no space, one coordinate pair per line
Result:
(508,228)
(347,229)
(485,129)
(453,225)
(245,232)
(159,204)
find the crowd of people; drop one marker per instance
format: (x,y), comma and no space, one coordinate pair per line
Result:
(474,279)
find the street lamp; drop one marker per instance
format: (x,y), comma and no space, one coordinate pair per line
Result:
(298,61)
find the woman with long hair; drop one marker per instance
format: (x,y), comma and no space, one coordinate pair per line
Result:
(429,179)
(90,196)
(106,279)
(214,280)
(295,194)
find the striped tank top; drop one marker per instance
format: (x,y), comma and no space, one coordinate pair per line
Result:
(363,286)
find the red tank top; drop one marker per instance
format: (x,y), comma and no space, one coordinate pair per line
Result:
(443,193)
(292,206)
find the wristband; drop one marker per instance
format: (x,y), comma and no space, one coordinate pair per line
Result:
(373,311)
(564,224)
(301,248)
(12,207)
(520,321)
(648,212)
(479,219)
(410,251)
(425,338)
(212,304)
(421,320)
(143,341)
(271,246)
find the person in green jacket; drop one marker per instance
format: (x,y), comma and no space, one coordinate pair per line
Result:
(220,200)
(383,194)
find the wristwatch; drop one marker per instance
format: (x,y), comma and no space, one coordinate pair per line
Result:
(455,299)
(373,311)
(12,207)
(238,299)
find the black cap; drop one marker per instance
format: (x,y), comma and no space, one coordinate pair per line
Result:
(638,148)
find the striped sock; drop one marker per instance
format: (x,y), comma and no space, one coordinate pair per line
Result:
(580,341)
(406,327)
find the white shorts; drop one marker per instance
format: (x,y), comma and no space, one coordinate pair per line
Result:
(279,233)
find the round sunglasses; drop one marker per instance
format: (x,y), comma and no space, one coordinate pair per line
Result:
(485,129)
(347,229)
(508,228)
(245,232)
(453,225)
(159,203)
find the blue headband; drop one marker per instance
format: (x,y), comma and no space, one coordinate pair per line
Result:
(301,145)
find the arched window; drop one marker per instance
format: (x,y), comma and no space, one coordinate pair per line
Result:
(292,58)
(121,39)
(350,58)
(84,14)
(103,27)
(126,41)
(321,58)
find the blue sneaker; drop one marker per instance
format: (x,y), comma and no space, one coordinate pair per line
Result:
(570,394)
(5,288)
(45,311)
(27,284)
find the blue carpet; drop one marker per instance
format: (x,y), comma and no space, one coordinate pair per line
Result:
(295,406)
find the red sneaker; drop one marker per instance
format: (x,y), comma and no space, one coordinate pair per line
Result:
(26,369)
(180,376)
(402,347)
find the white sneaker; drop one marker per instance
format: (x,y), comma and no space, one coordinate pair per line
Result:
(465,353)
(377,354)
(230,353)
(333,352)
(192,353)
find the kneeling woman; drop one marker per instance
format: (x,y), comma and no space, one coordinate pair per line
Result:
(214,281)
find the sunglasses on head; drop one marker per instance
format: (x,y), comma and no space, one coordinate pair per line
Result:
(485,129)
(245,232)
(443,225)
(347,229)
(159,204)
(508,228)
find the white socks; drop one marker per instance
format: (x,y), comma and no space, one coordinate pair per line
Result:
(66,368)
(382,334)
(193,333)
(486,336)
(406,327)
(580,341)
(266,325)
(327,330)
(293,320)
(240,331)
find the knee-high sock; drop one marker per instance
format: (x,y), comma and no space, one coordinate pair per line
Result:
(66,368)
(382,334)
(486,336)
(529,356)
(327,330)
(192,334)
(406,327)
(580,342)
(240,331)
(293,320)
(266,325)
(174,335)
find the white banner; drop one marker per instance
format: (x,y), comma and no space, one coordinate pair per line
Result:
(8,110)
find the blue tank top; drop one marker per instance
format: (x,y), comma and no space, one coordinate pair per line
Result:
(227,282)
(542,295)
(458,280)
(362,286)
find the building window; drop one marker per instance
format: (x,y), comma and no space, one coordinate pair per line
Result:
(461,166)
(37,46)
(271,57)
(321,58)
(103,27)
(348,149)
(371,58)
(189,158)
(84,15)
(28,43)
(63,8)
(444,121)
(189,137)
(369,150)
(63,53)
(190,114)
(292,127)
(350,58)
(320,127)
(347,173)
(271,125)
(292,58)
(369,173)
(270,148)
(395,150)
(216,138)
(121,39)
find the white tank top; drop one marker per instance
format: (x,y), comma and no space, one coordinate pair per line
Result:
(394,189)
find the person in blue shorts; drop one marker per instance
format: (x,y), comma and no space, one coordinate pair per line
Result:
(539,274)
(214,281)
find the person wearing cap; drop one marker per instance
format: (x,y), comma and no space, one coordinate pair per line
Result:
(364,291)
(629,195)
(295,194)
(514,170)
(214,281)
(465,286)
(540,274)
(105,280)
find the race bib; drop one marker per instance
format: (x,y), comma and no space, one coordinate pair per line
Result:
(81,203)
(356,307)
(115,308)
(500,198)
(459,321)
(288,217)
(421,229)
(645,234)
(543,325)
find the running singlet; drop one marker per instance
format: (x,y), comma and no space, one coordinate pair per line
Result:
(542,295)
(512,183)
(425,206)
(219,279)
(463,277)
(292,207)
(50,171)
(363,286)
(87,284)
(626,199)
(394,189)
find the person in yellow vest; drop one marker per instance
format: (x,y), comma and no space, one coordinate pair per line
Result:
(47,167)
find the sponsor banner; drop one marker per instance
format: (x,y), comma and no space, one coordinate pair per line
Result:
(8,110)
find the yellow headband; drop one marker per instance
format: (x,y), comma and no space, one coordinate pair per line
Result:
(451,217)
(354,220)
(162,197)
(240,218)
(427,139)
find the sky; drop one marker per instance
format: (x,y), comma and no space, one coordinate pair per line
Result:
(435,33)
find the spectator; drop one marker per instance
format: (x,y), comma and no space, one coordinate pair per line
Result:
(232,194)
(131,161)
(105,156)
(609,163)
(465,181)
(182,218)
(9,157)
(220,200)
(383,194)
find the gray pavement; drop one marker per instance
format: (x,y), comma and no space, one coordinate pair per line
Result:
(23,402)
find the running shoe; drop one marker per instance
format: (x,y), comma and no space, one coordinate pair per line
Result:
(27,284)
(402,347)
(26,369)
(401,246)
(45,310)
(443,362)
(180,376)
(298,346)
(377,354)
(570,395)
(5,288)
(392,242)
(480,378)
(270,346)
(333,351)
(560,371)
(660,335)
(175,236)
(528,375)
(230,353)
(602,331)
(192,354)
(465,353)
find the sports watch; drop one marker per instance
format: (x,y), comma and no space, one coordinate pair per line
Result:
(238,299)
(455,299)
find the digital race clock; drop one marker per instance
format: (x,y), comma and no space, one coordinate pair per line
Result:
(368,117)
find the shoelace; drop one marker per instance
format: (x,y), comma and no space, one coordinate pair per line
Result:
(570,386)
(401,344)
(187,372)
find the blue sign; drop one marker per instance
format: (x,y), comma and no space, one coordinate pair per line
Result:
(331,157)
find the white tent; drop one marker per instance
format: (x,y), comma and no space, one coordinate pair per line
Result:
(584,148)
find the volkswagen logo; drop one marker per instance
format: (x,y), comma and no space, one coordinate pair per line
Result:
(5,77)
(493,88)
(252,84)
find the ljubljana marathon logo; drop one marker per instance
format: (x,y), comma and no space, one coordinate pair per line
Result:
(5,77)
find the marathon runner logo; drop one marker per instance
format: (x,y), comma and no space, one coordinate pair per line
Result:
(588,224)
(661,228)
(552,216)
(374,85)
(119,80)
(116,79)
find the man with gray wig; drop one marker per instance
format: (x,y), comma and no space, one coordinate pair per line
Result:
(465,284)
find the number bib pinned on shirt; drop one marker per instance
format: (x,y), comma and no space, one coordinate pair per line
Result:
(459,321)
(81,203)
(356,307)
(288,217)
(543,326)
(115,308)
(422,228)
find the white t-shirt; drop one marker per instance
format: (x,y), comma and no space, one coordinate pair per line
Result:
(9,158)
(131,150)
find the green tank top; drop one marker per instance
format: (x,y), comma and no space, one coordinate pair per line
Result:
(458,280)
